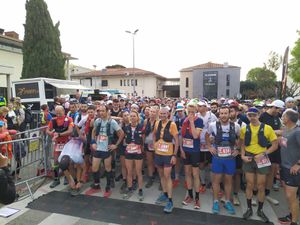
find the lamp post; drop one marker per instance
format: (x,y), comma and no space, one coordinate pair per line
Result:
(133,57)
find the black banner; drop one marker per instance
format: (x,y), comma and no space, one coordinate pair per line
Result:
(28,90)
(210,84)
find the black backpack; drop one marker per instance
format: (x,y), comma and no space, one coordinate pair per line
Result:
(28,116)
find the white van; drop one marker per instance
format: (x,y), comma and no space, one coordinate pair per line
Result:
(39,91)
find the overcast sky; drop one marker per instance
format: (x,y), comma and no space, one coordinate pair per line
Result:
(172,34)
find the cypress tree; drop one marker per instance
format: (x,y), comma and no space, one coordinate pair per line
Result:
(42,56)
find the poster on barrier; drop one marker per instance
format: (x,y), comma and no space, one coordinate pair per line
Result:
(34,144)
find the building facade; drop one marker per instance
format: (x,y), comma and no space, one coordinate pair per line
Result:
(144,82)
(210,80)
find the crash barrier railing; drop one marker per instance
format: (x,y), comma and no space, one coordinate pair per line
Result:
(29,157)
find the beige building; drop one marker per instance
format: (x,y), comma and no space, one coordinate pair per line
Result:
(146,83)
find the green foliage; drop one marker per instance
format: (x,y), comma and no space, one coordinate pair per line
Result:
(42,56)
(294,65)
(273,62)
(117,66)
(261,75)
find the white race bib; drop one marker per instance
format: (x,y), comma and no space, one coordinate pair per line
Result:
(188,143)
(203,148)
(263,162)
(102,138)
(161,147)
(133,148)
(59,147)
(224,151)
(151,147)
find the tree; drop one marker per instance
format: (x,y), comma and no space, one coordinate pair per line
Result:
(42,54)
(261,75)
(293,89)
(294,65)
(116,66)
(248,89)
(273,62)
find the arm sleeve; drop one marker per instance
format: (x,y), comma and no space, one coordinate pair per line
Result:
(115,126)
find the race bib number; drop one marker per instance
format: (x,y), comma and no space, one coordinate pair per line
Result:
(59,147)
(102,138)
(188,143)
(203,148)
(162,147)
(151,147)
(133,148)
(224,151)
(263,162)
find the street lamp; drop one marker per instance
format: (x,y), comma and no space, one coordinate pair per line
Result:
(133,58)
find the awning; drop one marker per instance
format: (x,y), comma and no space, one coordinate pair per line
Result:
(66,85)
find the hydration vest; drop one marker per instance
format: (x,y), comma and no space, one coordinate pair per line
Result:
(149,128)
(219,135)
(136,137)
(62,128)
(262,140)
(108,131)
(167,137)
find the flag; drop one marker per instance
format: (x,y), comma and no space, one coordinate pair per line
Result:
(284,72)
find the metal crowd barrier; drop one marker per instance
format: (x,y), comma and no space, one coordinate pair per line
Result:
(30,156)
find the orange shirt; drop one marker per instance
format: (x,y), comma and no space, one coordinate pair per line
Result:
(161,147)
(60,121)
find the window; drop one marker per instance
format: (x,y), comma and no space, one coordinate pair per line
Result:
(104,83)
(227,93)
(132,84)
(186,94)
(135,82)
(124,82)
(228,80)
(186,82)
(121,83)
(128,82)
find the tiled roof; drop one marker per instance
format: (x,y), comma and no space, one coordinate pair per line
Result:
(117,72)
(208,65)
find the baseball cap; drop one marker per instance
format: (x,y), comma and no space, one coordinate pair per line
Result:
(109,102)
(252,110)
(1,123)
(277,103)
(179,107)
(289,99)
(202,103)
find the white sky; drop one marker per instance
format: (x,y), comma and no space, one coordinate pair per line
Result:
(173,34)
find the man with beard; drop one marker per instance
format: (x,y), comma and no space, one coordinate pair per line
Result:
(271,117)
(225,135)
(214,108)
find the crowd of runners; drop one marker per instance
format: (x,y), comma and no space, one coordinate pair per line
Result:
(223,144)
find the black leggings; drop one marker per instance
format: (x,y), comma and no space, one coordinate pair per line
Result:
(7,187)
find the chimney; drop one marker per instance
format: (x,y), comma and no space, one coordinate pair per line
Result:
(225,65)
(12,34)
(1,31)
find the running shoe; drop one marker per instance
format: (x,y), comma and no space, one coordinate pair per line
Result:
(66,181)
(197,204)
(202,189)
(286,219)
(107,192)
(272,200)
(161,199)
(55,183)
(169,207)
(141,195)
(149,183)
(236,200)
(248,214)
(216,207)
(187,200)
(276,185)
(74,192)
(123,188)
(128,193)
(93,190)
(176,182)
(263,216)
(229,207)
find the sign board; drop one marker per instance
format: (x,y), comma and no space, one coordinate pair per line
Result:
(27,90)
(210,84)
